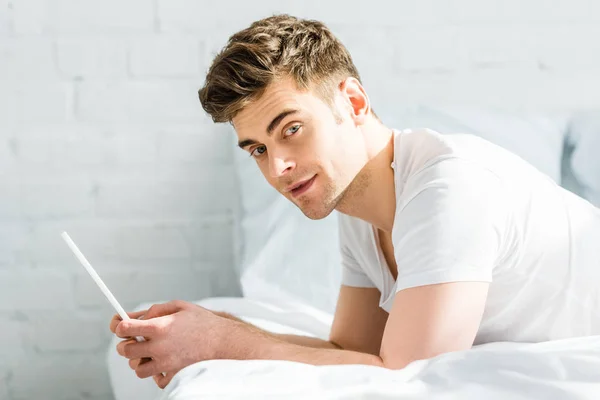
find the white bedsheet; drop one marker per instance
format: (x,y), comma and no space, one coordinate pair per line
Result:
(566,369)
(285,317)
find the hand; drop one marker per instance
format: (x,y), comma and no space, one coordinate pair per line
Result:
(178,334)
(133,315)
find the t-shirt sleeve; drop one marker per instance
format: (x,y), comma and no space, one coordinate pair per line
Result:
(450,227)
(352,273)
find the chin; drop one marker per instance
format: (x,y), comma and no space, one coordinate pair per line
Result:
(315,214)
(317,203)
(316,210)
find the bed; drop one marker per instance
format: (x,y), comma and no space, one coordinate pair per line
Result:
(282,295)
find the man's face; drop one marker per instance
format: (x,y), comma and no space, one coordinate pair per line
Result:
(304,151)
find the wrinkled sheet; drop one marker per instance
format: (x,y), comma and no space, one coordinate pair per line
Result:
(568,369)
(564,369)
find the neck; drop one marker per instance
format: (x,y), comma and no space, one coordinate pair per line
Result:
(371,195)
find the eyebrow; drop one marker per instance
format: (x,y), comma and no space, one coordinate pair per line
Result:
(276,121)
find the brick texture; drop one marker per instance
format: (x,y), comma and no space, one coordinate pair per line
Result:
(102,135)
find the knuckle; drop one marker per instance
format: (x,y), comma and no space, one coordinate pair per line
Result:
(122,329)
(152,310)
(161,328)
(154,330)
(178,303)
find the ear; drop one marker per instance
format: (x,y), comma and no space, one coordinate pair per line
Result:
(356,96)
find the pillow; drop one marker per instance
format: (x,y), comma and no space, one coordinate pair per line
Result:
(285,255)
(582,169)
(537,138)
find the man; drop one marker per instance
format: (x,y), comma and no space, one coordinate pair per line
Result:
(447,240)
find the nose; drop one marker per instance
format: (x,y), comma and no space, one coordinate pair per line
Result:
(279,166)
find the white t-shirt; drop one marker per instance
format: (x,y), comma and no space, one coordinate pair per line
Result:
(468,210)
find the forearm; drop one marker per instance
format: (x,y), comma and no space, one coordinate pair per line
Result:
(247,343)
(307,341)
(294,339)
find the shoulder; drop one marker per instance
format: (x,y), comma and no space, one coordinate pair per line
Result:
(457,210)
(452,177)
(450,223)
(452,194)
(424,149)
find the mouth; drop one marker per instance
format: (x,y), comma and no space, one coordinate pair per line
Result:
(301,187)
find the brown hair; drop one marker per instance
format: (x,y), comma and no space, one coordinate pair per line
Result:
(271,48)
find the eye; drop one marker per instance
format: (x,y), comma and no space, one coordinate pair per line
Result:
(258,151)
(291,130)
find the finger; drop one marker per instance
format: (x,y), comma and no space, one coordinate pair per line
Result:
(114,322)
(132,349)
(146,327)
(160,310)
(133,363)
(147,369)
(117,318)
(163,380)
(155,311)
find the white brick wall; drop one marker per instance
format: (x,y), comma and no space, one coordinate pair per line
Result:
(92,57)
(163,56)
(59,375)
(102,134)
(27,289)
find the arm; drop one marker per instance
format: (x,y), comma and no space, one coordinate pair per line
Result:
(424,322)
(358,323)
(306,341)
(357,329)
